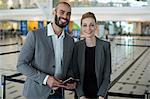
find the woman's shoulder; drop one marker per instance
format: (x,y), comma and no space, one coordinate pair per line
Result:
(103,41)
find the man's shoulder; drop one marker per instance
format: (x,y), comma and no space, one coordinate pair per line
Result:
(68,36)
(80,42)
(40,30)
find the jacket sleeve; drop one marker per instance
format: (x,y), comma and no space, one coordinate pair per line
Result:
(107,71)
(24,64)
(76,71)
(79,90)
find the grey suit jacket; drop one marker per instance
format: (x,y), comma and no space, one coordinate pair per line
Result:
(37,60)
(102,65)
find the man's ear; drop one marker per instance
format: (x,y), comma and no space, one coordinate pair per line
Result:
(54,11)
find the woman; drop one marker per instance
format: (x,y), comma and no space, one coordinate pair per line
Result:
(91,61)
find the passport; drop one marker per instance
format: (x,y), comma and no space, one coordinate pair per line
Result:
(70,80)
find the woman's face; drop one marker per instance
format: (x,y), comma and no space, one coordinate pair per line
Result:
(88,27)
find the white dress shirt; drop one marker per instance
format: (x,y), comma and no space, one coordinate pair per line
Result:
(58,51)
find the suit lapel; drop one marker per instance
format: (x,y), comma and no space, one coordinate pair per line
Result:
(65,48)
(50,44)
(65,53)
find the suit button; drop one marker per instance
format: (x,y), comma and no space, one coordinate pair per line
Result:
(53,66)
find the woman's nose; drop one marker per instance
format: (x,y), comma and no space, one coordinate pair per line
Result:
(88,28)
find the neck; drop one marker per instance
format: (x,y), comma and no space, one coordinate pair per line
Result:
(90,42)
(57,29)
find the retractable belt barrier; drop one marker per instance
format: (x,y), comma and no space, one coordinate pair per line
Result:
(147,94)
(4,78)
(127,95)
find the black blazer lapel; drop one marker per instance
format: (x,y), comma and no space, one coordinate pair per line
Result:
(81,58)
(99,59)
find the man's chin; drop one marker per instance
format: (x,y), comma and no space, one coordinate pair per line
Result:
(63,25)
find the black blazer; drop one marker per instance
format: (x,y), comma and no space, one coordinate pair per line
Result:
(102,65)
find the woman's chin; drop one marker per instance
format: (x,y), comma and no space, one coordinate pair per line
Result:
(89,36)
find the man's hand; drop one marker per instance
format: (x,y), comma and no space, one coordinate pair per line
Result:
(54,82)
(70,85)
(100,97)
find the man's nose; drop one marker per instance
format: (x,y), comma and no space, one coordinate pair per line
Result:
(64,16)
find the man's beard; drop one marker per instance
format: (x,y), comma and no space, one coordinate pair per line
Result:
(61,25)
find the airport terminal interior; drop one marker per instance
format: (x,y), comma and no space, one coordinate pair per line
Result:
(123,23)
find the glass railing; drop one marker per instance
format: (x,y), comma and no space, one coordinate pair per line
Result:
(106,3)
(27,4)
(17,4)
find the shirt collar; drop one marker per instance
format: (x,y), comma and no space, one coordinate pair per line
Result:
(51,31)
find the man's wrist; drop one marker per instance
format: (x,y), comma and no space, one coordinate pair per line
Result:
(45,80)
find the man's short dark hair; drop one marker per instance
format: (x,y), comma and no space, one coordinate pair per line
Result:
(63,3)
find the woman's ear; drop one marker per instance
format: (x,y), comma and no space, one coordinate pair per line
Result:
(97,26)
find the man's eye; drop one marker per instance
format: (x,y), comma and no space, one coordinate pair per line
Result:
(61,12)
(68,14)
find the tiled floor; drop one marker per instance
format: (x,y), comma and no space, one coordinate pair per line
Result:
(130,79)
(136,80)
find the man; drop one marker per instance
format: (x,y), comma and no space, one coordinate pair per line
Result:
(45,57)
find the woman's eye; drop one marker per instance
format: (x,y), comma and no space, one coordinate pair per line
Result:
(84,25)
(92,25)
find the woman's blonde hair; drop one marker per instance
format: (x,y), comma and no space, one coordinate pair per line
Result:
(88,15)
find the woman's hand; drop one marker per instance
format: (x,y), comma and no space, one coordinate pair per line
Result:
(100,97)
(70,86)
(83,97)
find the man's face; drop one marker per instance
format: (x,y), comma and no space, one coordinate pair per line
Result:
(62,15)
